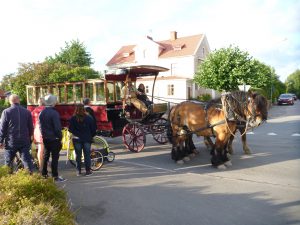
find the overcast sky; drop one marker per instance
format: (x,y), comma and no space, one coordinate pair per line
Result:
(33,29)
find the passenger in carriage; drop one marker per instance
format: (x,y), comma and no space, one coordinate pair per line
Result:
(141,95)
(129,96)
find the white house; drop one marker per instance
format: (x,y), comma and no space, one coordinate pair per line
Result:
(182,55)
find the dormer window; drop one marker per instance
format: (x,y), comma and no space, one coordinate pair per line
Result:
(126,54)
(178,47)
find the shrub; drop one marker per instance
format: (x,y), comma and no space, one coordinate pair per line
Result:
(204,97)
(30,199)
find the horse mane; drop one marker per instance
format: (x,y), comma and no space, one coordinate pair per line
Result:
(234,105)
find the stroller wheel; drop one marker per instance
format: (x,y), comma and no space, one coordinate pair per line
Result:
(111,156)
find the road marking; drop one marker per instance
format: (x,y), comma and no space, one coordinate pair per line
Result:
(251,132)
(296,135)
(145,165)
(271,134)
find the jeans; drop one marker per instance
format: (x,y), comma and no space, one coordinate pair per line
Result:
(80,146)
(52,147)
(10,154)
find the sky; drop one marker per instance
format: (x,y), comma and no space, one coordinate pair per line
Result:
(31,30)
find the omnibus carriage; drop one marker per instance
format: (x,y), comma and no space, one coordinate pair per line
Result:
(109,107)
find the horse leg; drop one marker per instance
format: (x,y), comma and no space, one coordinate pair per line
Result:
(246,148)
(181,154)
(229,145)
(208,143)
(190,146)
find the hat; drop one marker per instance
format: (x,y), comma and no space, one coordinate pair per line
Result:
(50,100)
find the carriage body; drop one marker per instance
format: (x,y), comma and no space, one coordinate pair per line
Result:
(105,96)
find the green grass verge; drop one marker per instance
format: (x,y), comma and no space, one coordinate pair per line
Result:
(31,199)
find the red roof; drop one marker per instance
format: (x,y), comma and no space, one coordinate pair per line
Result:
(183,46)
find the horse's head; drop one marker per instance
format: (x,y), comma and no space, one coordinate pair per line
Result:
(249,107)
(257,112)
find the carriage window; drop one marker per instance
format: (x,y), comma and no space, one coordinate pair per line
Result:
(53,90)
(170,89)
(78,93)
(119,85)
(110,91)
(44,91)
(61,94)
(100,92)
(30,99)
(70,93)
(89,91)
(37,94)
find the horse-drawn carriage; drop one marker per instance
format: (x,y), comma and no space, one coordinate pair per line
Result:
(114,117)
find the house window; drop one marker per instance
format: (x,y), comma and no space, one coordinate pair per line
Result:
(147,89)
(170,89)
(203,52)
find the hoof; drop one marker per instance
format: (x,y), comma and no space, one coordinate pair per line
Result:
(228,155)
(186,159)
(228,163)
(221,167)
(180,162)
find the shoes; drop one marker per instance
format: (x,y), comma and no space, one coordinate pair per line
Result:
(78,174)
(88,173)
(45,176)
(59,179)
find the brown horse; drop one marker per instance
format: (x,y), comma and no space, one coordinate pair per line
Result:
(189,118)
(241,126)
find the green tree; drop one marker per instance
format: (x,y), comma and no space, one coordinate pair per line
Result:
(74,53)
(293,83)
(226,68)
(6,84)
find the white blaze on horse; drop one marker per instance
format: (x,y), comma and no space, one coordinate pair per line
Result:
(189,117)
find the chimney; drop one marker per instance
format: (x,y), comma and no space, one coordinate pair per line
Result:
(173,35)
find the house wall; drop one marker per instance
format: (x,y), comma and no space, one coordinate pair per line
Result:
(161,90)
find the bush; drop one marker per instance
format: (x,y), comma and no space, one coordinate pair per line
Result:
(30,199)
(204,97)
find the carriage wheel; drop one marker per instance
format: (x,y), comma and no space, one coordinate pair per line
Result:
(159,131)
(134,137)
(96,160)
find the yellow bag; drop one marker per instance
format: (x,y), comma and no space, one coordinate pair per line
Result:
(67,140)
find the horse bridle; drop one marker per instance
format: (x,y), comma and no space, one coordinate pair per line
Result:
(245,106)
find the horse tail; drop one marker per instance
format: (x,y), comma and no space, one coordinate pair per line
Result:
(169,124)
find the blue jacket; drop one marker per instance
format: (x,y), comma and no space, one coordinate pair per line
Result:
(16,127)
(50,124)
(84,131)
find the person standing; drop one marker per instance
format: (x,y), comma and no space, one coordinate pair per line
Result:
(83,128)
(51,131)
(16,130)
(37,135)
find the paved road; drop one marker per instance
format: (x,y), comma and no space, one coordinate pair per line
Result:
(149,188)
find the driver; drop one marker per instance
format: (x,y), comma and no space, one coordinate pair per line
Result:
(129,96)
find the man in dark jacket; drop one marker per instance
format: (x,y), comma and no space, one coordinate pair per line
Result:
(16,130)
(51,131)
